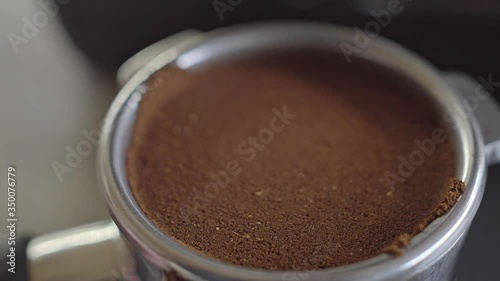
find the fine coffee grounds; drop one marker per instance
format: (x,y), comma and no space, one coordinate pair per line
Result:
(289,162)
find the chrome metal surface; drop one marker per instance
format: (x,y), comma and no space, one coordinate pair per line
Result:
(477,101)
(91,252)
(174,43)
(492,151)
(430,255)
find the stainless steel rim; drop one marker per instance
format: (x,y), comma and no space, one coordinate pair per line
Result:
(427,247)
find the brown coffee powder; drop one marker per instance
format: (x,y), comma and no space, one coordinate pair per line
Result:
(218,162)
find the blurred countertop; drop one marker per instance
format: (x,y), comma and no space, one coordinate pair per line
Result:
(50,93)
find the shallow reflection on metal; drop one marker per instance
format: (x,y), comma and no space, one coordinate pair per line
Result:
(90,252)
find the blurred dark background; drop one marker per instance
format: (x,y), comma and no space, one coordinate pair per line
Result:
(63,80)
(453,34)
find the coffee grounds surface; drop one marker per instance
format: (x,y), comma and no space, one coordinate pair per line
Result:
(288,162)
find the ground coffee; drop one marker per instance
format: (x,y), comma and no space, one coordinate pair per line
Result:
(289,162)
